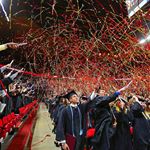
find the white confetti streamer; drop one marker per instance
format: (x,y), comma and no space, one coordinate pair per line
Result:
(4,11)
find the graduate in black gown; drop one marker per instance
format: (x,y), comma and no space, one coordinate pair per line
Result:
(70,130)
(62,103)
(141,134)
(70,124)
(122,138)
(104,121)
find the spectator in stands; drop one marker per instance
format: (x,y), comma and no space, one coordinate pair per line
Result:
(4,89)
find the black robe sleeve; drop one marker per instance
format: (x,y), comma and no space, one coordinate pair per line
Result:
(6,82)
(99,100)
(141,134)
(105,100)
(60,130)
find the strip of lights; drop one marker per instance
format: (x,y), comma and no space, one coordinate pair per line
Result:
(136,9)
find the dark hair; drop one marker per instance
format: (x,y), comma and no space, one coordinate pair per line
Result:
(1,76)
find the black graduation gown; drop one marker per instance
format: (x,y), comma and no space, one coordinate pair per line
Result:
(26,100)
(6,82)
(18,103)
(9,105)
(61,107)
(122,137)
(141,134)
(103,123)
(64,126)
(55,113)
(7,99)
(89,124)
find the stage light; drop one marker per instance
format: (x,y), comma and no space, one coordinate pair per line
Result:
(142,41)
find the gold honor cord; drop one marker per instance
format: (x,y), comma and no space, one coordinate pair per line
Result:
(146,115)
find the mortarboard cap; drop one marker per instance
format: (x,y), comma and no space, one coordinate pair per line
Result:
(128,98)
(84,98)
(71,93)
(141,99)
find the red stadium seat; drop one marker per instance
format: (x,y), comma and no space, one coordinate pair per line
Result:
(6,124)
(10,120)
(3,132)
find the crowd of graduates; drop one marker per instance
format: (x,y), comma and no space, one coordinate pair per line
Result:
(101,122)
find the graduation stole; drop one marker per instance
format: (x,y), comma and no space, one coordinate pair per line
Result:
(3,87)
(145,114)
(80,118)
(114,117)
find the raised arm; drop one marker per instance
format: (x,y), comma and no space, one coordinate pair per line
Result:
(13,76)
(105,100)
(11,45)
(8,45)
(2,69)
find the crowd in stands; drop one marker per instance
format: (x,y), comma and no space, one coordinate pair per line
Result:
(17,100)
(14,93)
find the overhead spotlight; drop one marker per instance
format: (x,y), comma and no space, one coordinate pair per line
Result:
(142,41)
(148,38)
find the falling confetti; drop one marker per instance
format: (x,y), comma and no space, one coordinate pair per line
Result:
(83,44)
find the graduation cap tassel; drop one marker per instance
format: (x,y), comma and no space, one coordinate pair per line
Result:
(146,116)
(115,120)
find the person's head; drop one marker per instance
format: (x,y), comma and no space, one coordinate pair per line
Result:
(130,100)
(142,101)
(61,99)
(121,104)
(1,76)
(143,104)
(73,97)
(83,99)
(102,93)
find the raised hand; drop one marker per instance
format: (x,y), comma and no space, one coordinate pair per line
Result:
(125,87)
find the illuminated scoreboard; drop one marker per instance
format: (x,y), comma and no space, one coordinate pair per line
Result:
(134,6)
